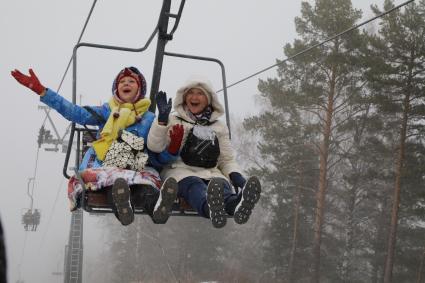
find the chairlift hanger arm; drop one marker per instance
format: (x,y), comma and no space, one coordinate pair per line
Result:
(74,82)
(178,16)
(101,46)
(28,191)
(68,151)
(119,48)
(74,86)
(223,76)
(163,38)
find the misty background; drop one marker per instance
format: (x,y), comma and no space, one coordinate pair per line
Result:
(246,35)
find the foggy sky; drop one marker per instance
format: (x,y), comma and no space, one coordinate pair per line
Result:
(246,35)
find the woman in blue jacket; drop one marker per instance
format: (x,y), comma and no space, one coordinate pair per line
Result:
(127,110)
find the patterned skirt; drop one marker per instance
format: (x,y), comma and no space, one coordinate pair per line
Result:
(99,178)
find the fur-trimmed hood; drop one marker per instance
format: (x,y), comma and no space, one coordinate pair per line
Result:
(204,84)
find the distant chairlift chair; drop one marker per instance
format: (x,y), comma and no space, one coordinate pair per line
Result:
(31,219)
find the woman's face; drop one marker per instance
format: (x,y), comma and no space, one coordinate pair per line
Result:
(128,89)
(195,100)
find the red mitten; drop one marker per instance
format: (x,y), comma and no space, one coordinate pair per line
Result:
(30,81)
(176,136)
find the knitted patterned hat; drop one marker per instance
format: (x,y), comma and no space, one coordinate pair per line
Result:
(137,75)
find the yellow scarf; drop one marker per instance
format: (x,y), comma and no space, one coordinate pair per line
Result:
(125,115)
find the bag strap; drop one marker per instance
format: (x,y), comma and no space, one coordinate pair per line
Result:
(194,123)
(96,115)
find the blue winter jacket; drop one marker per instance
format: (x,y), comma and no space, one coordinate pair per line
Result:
(82,116)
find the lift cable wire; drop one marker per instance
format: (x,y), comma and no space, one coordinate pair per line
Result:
(63,77)
(58,190)
(34,175)
(67,130)
(31,195)
(60,85)
(319,44)
(79,40)
(67,69)
(57,134)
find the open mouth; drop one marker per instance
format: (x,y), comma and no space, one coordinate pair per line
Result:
(194,104)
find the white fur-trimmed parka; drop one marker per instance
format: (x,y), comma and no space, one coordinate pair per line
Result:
(159,139)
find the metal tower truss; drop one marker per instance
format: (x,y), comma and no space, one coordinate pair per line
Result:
(74,250)
(46,137)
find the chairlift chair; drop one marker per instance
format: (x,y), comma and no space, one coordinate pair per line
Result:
(31,219)
(96,201)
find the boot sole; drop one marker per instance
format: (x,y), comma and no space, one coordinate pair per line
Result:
(250,196)
(164,205)
(121,199)
(215,199)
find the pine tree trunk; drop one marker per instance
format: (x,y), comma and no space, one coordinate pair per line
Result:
(321,192)
(346,267)
(296,208)
(389,261)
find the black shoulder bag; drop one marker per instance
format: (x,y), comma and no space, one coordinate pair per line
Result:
(200,152)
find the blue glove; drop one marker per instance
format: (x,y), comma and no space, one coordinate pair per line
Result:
(238,181)
(164,107)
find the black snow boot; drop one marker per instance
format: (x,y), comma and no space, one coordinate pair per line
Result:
(250,195)
(121,201)
(164,203)
(215,200)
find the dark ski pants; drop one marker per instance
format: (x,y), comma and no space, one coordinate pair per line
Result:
(194,191)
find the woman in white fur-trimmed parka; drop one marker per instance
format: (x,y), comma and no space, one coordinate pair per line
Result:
(206,163)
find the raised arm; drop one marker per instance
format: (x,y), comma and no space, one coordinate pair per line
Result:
(67,109)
